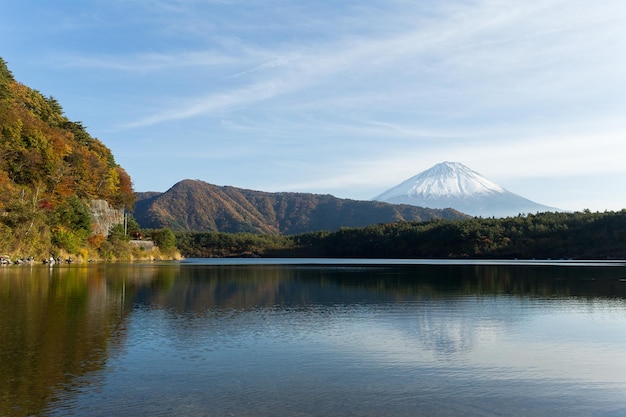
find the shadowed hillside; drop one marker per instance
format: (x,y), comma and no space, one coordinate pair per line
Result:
(193,205)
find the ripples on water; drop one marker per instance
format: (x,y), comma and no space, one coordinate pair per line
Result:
(274,340)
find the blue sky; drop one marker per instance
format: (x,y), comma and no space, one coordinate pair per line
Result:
(347,98)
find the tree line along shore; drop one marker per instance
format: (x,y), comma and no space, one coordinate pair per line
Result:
(554,235)
(578,235)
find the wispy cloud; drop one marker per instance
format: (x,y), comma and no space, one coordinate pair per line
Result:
(151,62)
(478,52)
(213,103)
(274,63)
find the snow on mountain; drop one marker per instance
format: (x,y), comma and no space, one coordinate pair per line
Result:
(453,185)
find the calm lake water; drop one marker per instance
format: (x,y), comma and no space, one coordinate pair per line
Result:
(313,338)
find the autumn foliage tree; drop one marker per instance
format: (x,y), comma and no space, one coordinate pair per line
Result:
(50,168)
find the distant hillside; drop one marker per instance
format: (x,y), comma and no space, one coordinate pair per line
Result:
(193,205)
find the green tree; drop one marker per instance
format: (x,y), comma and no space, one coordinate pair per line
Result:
(74,214)
(132,227)
(165,239)
(118,234)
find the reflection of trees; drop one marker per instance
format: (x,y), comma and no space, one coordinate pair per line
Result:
(428,290)
(525,281)
(200,288)
(56,325)
(548,281)
(59,325)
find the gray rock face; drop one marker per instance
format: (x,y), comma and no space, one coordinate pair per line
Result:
(104,216)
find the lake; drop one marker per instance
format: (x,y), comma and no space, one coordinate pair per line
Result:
(241,337)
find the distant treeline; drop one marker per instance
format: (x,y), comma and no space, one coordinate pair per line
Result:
(579,235)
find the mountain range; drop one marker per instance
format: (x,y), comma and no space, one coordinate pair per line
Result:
(452,184)
(193,205)
(54,174)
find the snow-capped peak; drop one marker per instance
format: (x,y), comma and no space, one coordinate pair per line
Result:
(450,179)
(453,185)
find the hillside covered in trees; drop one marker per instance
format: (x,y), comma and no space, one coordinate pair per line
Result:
(50,170)
(197,206)
(580,235)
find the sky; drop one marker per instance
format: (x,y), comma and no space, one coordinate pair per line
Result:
(348,98)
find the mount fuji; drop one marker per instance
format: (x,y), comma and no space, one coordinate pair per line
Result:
(453,185)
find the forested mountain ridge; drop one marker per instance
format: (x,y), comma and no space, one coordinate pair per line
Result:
(193,205)
(50,168)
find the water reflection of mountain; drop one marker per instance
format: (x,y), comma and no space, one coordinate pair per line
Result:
(56,326)
(59,326)
(443,300)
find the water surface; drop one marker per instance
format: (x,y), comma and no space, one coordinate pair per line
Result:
(314,338)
